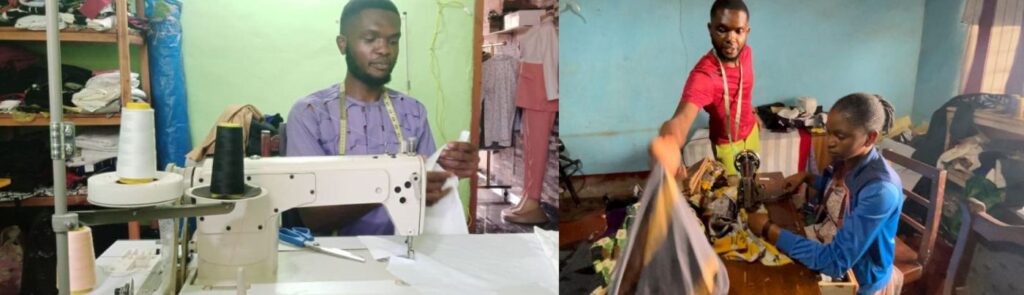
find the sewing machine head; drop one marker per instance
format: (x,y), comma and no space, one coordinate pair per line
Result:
(747,162)
(756,188)
(397,182)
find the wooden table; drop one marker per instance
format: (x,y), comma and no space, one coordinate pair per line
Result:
(757,278)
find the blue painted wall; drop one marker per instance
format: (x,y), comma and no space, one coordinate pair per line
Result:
(942,47)
(622,72)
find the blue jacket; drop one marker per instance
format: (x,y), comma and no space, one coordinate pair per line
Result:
(866,241)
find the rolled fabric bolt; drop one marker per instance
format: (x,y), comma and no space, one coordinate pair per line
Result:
(228,174)
(81,260)
(136,149)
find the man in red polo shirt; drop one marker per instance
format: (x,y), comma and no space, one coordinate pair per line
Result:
(732,120)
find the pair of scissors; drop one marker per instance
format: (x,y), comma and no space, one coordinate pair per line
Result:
(301,237)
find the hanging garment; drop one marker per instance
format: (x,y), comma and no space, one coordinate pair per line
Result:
(499,82)
(667,253)
(530,92)
(537,127)
(538,120)
(539,45)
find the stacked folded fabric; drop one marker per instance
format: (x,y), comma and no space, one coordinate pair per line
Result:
(102,93)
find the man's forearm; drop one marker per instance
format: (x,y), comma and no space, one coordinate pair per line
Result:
(677,128)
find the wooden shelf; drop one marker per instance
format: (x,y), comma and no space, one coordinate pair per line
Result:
(68,35)
(78,119)
(73,200)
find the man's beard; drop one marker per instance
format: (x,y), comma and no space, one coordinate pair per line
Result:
(361,74)
(720,52)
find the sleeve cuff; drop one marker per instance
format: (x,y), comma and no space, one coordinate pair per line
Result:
(786,240)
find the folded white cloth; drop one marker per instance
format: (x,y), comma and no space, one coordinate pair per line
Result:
(103,89)
(33,3)
(94,100)
(38,22)
(110,80)
(99,140)
(9,105)
(90,157)
(101,24)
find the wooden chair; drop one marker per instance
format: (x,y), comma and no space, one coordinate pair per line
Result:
(912,262)
(992,268)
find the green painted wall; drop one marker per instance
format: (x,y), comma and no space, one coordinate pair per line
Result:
(270,53)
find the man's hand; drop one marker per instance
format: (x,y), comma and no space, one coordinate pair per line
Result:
(672,129)
(793,182)
(435,186)
(756,222)
(666,152)
(460,158)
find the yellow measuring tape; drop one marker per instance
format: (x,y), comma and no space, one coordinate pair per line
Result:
(344,117)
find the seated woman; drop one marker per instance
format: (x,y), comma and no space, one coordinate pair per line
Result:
(863,197)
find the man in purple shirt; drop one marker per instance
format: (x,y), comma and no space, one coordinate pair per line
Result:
(374,118)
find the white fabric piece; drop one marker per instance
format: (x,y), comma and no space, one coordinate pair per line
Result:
(9,105)
(102,89)
(38,22)
(968,149)
(33,3)
(549,241)
(780,151)
(789,113)
(807,104)
(447,266)
(90,157)
(102,24)
(100,140)
(540,45)
(446,216)
(111,80)
(381,247)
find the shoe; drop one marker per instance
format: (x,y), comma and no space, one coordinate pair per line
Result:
(528,217)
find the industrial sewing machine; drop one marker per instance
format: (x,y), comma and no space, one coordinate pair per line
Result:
(756,188)
(246,238)
(236,240)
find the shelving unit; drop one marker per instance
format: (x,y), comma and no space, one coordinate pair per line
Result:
(78,119)
(120,36)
